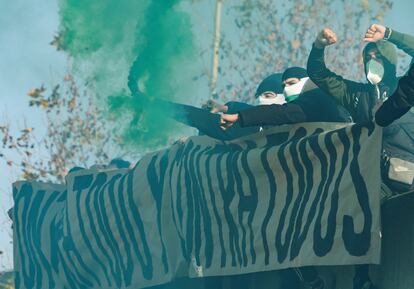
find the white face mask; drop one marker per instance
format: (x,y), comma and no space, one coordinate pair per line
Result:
(293,91)
(375,71)
(277,99)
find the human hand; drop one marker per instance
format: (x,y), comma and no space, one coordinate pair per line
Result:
(374,33)
(325,37)
(227,120)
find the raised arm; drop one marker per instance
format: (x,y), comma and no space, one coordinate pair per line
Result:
(399,102)
(403,41)
(343,90)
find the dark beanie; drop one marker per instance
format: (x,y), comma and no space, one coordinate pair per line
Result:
(294,72)
(271,83)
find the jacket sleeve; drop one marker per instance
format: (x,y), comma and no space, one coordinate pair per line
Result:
(399,102)
(274,114)
(346,92)
(403,41)
(206,122)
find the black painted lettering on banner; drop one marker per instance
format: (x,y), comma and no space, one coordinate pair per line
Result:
(357,244)
(223,254)
(175,199)
(282,248)
(156,183)
(207,226)
(248,203)
(147,264)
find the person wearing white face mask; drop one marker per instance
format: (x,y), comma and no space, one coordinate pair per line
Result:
(362,100)
(269,97)
(374,71)
(207,119)
(270,91)
(304,103)
(380,60)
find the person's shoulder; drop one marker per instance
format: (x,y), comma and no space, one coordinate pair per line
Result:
(314,95)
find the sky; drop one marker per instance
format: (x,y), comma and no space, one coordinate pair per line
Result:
(27,60)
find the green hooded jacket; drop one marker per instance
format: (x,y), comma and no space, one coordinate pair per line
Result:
(359,98)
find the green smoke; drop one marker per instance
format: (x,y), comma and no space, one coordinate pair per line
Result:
(125,44)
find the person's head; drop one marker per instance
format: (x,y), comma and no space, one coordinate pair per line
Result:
(270,90)
(380,62)
(293,82)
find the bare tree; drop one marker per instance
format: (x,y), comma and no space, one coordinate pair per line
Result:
(268,36)
(258,38)
(79,133)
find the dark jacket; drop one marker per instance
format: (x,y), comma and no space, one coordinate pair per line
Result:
(399,103)
(311,106)
(360,98)
(206,122)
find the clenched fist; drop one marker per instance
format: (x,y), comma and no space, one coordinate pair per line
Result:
(227,120)
(374,33)
(325,37)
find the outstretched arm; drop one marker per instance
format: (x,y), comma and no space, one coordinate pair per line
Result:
(274,114)
(203,120)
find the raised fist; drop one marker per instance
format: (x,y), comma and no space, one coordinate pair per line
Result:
(374,33)
(325,37)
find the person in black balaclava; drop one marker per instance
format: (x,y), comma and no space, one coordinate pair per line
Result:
(305,102)
(362,99)
(269,91)
(207,119)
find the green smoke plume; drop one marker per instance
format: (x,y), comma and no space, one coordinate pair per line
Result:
(123,45)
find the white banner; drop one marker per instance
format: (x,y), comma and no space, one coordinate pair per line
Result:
(286,197)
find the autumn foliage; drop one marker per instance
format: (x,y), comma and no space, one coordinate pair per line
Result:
(258,38)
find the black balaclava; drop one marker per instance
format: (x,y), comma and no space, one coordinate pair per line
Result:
(271,83)
(292,92)
(294,72)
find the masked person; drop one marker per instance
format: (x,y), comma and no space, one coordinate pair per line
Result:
(304,103)
(207,119)
(361,100)
(268,92)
